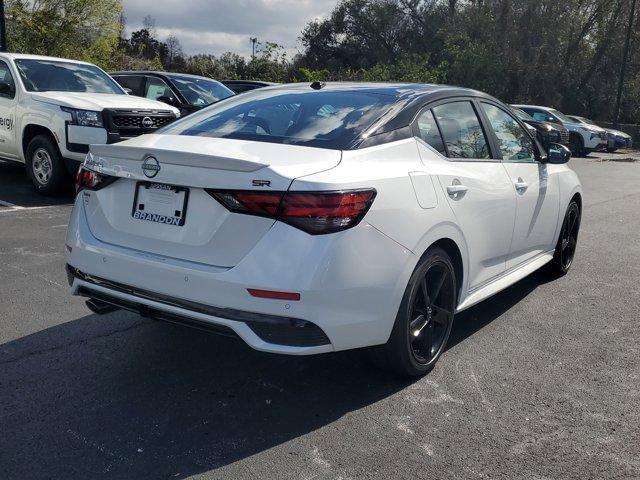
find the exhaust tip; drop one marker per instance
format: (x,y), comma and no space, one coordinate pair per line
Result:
(100,307)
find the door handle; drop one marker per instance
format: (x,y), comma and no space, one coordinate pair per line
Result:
(521,185)
(456,190)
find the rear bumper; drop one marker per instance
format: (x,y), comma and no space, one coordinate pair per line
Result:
(350,286)
(292,332)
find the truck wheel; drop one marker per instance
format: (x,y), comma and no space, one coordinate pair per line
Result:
(45,166)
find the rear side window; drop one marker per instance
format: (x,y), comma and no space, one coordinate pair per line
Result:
(538,115)
(461,130)
(514,143)
(429,131)
(325,119)
(132,82)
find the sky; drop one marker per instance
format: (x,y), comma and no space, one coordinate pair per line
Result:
(217,26)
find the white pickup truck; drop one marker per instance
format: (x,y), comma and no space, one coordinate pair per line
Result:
(52,109)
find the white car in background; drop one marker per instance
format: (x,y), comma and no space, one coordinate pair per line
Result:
(315,218)
(583,138)
(615,138)
(51,109)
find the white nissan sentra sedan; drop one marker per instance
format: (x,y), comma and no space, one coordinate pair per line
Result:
(312,218)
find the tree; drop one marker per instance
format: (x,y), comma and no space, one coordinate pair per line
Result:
(517,50)
(81,29)
(174,56)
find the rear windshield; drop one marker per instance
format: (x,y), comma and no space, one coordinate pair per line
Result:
(325,119)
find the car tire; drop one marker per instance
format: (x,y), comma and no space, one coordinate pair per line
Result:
(424,320)
(45,166)
(576,145)
(567,241)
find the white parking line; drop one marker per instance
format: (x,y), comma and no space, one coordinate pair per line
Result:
(18,208)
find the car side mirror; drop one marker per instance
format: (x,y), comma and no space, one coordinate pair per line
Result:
(558,154)
(168,100)
(128,91)
(6,88)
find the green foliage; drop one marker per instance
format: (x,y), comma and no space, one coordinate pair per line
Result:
(517,50)
(79,29)
(270,64)
(566,54)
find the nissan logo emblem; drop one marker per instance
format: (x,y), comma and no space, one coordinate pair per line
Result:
(150,167)
(147,122)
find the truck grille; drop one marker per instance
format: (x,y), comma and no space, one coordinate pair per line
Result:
(124,121)
(131,123)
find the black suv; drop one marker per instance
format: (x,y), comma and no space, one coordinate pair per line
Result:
(189,93)
(548,133)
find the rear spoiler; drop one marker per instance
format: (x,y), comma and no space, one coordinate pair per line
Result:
(183,156)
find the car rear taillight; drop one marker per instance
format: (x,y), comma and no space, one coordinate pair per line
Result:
(90,180)
(328,212)
(313,212)
(264,204)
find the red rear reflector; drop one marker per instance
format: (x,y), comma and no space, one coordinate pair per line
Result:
(272,294)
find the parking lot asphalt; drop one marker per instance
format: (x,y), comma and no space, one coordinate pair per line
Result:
(542,381)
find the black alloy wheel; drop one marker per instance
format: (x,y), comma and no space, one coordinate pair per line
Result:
(431,314)
(424,320)
(566,246)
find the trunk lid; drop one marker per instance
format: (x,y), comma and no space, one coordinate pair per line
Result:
(183,221)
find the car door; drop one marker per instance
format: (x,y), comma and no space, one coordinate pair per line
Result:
(537,192)
(477,187)
(8,101)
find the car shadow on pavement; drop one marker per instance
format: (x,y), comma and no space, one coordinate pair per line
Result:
(16,188)
(120,397)
(116,396)
(469,321)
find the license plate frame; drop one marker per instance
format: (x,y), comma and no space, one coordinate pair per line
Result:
(149,216)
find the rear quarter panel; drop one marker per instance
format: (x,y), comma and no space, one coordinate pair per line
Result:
(396,211)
